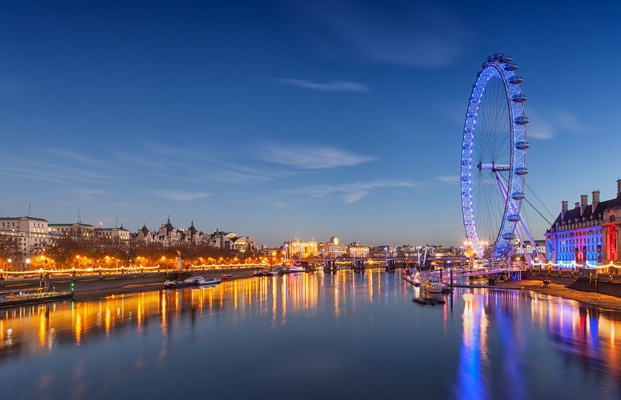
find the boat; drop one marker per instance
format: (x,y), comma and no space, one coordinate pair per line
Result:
(191,281)
(263,272)
(202,281)
(14,299)
(432,285)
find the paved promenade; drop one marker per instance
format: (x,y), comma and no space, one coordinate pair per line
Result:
(560,290)
(95,287)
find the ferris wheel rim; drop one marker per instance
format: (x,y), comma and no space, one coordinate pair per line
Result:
(497,66)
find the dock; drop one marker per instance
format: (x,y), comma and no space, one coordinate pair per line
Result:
(488,287)
(428,301)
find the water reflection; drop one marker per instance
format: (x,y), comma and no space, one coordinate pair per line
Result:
(582,335)
(40,328)
(486,343)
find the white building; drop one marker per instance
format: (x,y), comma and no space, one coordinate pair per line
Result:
(30,233)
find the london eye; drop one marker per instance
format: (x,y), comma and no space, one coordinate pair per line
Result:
(493,159)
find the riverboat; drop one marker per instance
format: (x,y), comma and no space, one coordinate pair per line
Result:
(14,299)
(262,272)
(191,281)
(432,285)
(202,281)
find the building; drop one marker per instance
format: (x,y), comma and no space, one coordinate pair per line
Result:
(355,250)
(588,234)
(75,230)
(31,234)
(112,233)
(299,249)
(332,249)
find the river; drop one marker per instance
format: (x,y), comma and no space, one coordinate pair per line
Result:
(311,336)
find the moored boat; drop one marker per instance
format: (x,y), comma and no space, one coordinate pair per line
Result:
(14,299)
(202,281)
(191,281)
(432,285)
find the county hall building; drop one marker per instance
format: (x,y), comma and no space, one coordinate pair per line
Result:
(588,234)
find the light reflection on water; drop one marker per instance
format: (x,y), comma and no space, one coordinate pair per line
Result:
(308,335)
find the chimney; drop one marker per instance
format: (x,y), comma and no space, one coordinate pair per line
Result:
(564,204)
(577,204)
(595,201)
(584,201)
(618,187)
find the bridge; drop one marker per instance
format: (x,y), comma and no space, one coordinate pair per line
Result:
(389,262)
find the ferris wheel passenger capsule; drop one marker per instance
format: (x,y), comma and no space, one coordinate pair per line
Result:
(515,80)
(513,217)
(519,98)
(522,145)
(517,196)
(522,120)
(521,171)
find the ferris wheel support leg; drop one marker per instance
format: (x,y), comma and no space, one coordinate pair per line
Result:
(530,238)
(527,256)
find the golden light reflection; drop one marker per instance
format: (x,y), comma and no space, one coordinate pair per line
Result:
(43,329)
(278,299)
(78,329)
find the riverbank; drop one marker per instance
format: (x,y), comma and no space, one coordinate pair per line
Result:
(561,290)
(89,289)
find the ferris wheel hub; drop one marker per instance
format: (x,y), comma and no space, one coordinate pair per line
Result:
(494,167)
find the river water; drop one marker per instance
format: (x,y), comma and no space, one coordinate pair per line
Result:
(311,336)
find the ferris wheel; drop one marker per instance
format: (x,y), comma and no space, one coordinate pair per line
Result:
(493,159)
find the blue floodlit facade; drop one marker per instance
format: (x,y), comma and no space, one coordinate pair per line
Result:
(587,235)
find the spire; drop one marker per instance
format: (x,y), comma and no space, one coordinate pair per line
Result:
(79,220)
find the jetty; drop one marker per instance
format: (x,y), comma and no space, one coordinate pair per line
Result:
(428,301)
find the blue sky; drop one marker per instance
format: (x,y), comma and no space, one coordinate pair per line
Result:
(282,119)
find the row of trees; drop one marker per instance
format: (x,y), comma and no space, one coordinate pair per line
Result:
(75,252)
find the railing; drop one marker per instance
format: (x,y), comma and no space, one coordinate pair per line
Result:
(467,272)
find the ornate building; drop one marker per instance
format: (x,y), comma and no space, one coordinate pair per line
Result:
(299,249)
(333,249)
(587,234)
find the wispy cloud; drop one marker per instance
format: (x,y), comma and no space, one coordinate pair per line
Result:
(348,193)
(180,196)
(450,179)
(304,157)
(334,86)
(195,165)
(414,35)
(547,125)
(50,170)
(88,194)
